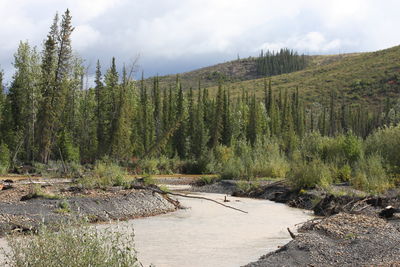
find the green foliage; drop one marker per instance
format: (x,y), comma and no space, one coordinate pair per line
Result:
(4,158)
(74,247)
(69,151)
(247,187)
(243,161)
(58,169)
(105,173)
(284,61)
(386,142)
(308,175)
(229,130)
(63,207)
(370,175)
(343,174)
(161,165)
(149,180)
(207,179)
(342,149)
(37,192)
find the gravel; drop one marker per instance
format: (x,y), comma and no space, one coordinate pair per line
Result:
(126,204)
(339,240)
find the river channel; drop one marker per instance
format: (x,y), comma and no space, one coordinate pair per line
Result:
(207,234)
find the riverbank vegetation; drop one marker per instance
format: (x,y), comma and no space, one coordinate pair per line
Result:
(50,122)
(83,246)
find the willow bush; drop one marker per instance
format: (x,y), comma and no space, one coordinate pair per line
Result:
(73,247)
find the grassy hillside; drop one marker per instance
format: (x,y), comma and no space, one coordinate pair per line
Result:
(367,78)
(231,72)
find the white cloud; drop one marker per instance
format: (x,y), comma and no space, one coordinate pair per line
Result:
(314,42)
(175,31)
(84,36)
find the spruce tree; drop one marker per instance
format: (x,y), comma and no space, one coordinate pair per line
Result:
(55,69)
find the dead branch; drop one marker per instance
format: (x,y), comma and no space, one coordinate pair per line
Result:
(293,236)
(187,196)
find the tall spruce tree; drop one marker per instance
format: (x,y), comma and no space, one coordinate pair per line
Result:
(55,68)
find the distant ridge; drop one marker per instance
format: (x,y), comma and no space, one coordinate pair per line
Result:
(358,78)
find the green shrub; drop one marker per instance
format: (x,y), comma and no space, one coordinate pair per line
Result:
(352,148)
(207,179)
(149,166)
(247,187)
(4,159)
(63,207)
(370,175)
(343,174)
(233,169)
(149,180)
(105,173)
(308,175)
(340,150)
(386,142)
(73,247)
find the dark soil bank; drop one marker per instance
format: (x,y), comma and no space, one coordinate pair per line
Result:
(126,204)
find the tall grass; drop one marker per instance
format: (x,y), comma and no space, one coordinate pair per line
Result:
(310,174)
(370,175)
(72,247)
(386,143)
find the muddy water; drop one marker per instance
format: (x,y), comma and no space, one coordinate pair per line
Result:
(207,234)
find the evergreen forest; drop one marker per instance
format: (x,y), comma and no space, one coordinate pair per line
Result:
(50,118)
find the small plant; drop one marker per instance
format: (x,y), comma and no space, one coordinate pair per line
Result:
(164,188)
(207,179)
(37,192)
(344,173)
(350,236)
(149,180)
(63,207)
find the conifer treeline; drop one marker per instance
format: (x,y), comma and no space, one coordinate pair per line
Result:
(284,61)
(48,115)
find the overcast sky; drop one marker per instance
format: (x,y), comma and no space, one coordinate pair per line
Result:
(179,35)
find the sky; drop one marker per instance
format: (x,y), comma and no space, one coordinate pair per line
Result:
(172,36)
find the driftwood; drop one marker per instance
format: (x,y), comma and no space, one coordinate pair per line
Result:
(157,190)
(293,236)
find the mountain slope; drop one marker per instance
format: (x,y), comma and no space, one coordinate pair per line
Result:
(362,78)
(229,72)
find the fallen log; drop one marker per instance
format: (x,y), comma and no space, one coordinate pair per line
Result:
(157,190)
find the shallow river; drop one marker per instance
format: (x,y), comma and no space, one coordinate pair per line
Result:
(207,234)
